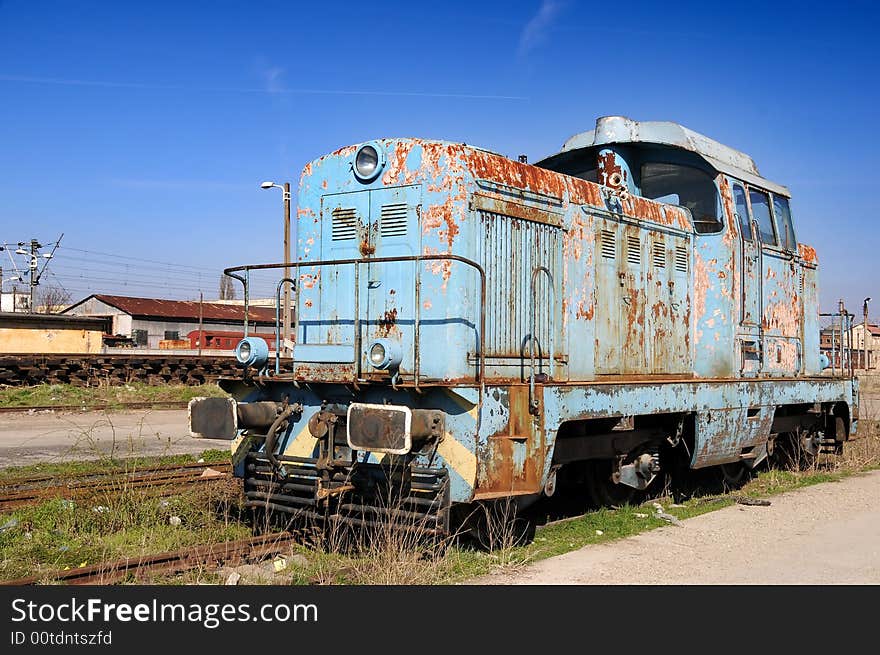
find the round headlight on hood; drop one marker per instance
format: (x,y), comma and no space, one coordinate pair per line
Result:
(368,161)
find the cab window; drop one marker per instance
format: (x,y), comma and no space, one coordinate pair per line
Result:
(689,187)
(760,202)
(742,211)
(782,212)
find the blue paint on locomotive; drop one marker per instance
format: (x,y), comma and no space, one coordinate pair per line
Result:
(649,308)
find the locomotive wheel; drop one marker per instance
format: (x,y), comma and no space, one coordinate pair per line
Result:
(734,473)
(496,525)
(798,450)
(603,491)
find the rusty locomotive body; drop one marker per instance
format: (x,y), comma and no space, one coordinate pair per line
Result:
(469,328)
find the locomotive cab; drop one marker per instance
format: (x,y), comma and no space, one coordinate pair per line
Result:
(744,239)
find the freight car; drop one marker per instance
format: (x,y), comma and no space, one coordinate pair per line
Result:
(221,339)
(472,329)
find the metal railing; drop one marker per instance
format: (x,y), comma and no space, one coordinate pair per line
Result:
(841,327)
(235,271)
(278,345)
(533,403)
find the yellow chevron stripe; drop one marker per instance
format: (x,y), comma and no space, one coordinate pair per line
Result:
(475,413)
(302,445)
(462,460)
(239,448)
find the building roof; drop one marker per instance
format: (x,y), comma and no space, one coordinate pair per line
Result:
(619,129)
(874,330)
(187,310)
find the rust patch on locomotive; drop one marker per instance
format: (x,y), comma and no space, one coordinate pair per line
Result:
(808,253)
(513,460)
(611,173)
(388,323)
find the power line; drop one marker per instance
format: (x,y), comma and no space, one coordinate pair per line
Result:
(89,272)
(33,269)
(150,261)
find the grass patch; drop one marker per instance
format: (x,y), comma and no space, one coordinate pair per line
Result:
(399,560)
(457,565)
(61,534)
(113,397)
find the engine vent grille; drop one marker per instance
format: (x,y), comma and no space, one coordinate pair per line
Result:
(345,224)
(510,250)
(681,259)
(659,254)
(392,222)
(633,249)
(609,247)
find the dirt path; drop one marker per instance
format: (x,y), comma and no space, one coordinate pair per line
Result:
(56,436)
(824,534)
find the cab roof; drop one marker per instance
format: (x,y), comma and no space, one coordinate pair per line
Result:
(620,129)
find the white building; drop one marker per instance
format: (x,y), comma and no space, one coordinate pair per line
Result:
(14,301)
(147,321)
(867,342)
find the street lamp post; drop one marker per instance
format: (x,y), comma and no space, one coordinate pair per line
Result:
(285,189)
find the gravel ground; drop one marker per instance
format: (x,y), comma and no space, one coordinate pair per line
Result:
(824,534)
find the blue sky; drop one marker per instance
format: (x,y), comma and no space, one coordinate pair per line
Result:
(142,130)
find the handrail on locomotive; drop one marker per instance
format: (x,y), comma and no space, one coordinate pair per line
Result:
(533,314)
(479,376)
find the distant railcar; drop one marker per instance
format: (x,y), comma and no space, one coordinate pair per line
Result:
(221,339)
(472,329)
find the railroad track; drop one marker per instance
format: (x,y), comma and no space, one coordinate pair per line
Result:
(156,404)
(162,480)
(26,369)
(209,557)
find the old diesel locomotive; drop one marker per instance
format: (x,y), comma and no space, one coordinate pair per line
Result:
(469,328)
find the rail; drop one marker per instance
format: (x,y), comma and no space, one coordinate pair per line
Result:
(243,273)
(209,557)
(158,480)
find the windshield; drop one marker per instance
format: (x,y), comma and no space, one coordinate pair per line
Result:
(686,186)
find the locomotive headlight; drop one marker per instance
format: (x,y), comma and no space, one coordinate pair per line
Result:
(377,354)
(385,353)
(252,351)
(244,351)
(368,161)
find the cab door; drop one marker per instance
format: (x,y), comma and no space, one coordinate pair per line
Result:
(389,287)
(749,343)
(327,295)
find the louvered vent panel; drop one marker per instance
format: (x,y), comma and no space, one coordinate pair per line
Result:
(633,250)
(392,223)
(511,249)
(802,282)
(345,224)
(609,247)
(681,259)
(659,254)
